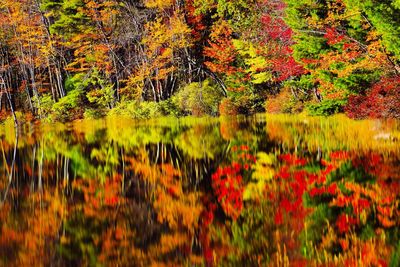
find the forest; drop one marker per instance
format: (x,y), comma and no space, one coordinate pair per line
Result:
(62,60)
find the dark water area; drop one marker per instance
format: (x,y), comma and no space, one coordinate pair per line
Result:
(256,191)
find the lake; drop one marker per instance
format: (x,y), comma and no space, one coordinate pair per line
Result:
(268,190)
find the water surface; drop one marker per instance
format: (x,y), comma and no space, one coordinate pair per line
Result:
(258,191)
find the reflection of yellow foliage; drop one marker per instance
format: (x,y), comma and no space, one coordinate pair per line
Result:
(170,242)
(356,252)
(229,128)
(263,171)
(184,211)
(333,133)
(39,224)
(205,144)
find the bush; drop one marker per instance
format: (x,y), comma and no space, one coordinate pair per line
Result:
(44,105)
(91,113)
(143,110)
(227,107)
(326,107)
(382,101)
(284,102)
(68,107)
(244,102)
(169,107)
(198,99)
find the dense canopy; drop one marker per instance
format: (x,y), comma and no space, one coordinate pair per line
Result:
(68,59)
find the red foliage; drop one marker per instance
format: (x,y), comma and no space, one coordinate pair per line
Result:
(221,52)
(278,218)
(195,21)
(276,28)
(333,37)
(278,37)
(382,101)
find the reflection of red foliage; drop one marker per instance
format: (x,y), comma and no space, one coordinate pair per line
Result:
(206,218)
(345,222)
(331,189)
(111,201)
(208,214)
(278,217)
(293,184)
(292,160)
(371,163)
(339,155)
(361,205)
(227,183)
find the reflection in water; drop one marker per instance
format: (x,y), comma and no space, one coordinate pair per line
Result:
(272,191)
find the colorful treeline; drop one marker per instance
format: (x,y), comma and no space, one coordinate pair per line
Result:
(69,59)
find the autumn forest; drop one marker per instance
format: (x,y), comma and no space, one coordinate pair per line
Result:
(200,133)
(64,60)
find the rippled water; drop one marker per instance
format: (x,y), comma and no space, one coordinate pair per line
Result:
(265,190)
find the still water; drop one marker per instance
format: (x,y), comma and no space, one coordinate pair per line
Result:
(258,191)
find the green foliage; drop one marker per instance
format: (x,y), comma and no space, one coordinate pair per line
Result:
(395,259)
(199,98)
(135,110)
(69,106)
(326,107)
(384,16)
(69,19)
(91,113)
(44,105)
(145,109)
(102,97)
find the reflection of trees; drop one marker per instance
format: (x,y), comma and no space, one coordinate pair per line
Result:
(341,210)
(361,214)
(144,195)
(333,133)
(80,199)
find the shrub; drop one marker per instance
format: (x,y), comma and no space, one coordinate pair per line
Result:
(245,102)
(326,107)
(284,102)
(68,107)
(169,107)
(382,101)
(44,105)
(143,110)
(198,99)
(91,113)
(227,107)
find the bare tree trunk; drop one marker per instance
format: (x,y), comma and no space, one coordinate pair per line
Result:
(11,171)
(3,89)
